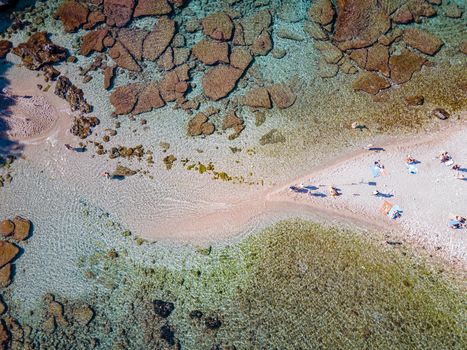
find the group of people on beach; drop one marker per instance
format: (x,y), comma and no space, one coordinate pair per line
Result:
(446,159)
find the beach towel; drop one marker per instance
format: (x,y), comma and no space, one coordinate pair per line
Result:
(453,223)
(386,207)
(449,162)
(412,169)
(376,171)
(395,212)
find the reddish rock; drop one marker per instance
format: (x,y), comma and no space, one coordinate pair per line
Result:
(6,228)
(5,276)
(5,47)
(109,72)
(166,60)
(39,51)
(254,25)
(181,55)
(463,47)
(72,94)
(149,99)
(378,59)
(452,10)
(174,85)
(359,56)
(218,26)
(422,40)
(118,12)
(8,252)
(415,100)
(123,58)
(258,98)
(133,40)
(403,66)
(232,121)
(199,125)
(22,228)
(262,45)
(282,95)
(109,41)
(152,8)
(157,41)
(4,335)
(322,12)
(178,3)
(124,98)
(370,82)
(403,16)
(220,80)
(329,52)
(210,52)
(420,8)
(94,18)
(240,58)
(359,23)
(93,41)
(239,36)
(72,14)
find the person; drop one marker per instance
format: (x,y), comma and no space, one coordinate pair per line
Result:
(456,167)
(461,219)
(106,174)
(333,191)
(68,147)
(410,160)
(445,157)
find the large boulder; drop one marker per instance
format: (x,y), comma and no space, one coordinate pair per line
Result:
(218,26)
(321,12)
(152,8)
(132,39)
(8,252)
(6,228)
(220,80)
(123,58)
(282,95)
(118,12)
(72,14)
(22,228)
(124,98)
(210,52)
(422,40)
(158,39)
(404,65)
(93,41)
(370,82)
(359,23)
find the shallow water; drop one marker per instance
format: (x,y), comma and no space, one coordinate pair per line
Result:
(294,285)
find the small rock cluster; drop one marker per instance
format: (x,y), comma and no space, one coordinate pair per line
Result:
(6,163)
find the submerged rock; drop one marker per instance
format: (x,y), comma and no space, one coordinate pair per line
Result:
(272,137)
(4,335)
(404,65)
(22,228)
(93,41)
(5,275)
(72,94)
(39,51)
(210,52)
(123,58)
(282,95)
(232,121)
(5,47)
(322,12)
(212,323)
(218,26)
(123,171)
(6,227)
(167,333)
(220,80)
(157,41)
(163,308)
(72,14)
(83,315)
(118,12)
(124,98)
(82,126)
(258,98)
(8,252)
(152,8)
(422,40)
(199,125)
(370,82)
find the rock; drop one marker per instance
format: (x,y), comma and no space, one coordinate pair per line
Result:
(258,98)
(278,53)
(55,309)
(403,16)
(378,59)
(132,39)
(109,41)
(158,39)
(83,315)
(220,80)
(420,8)
(124,98)
(210,52)
(72,94)
(39,51)
(285,33)
(123,58)
(322,12)
(167,333)
(330,53)
(371,83)
(389,38)
(441,113)
(212,323)
(327,70)
(149,99)
(232,121)
(196,314)
(163,308)
(218,26)
(404,65)
(6,228)
(181,55)
(5,275)
(199,125)
(5,47)
(262,45)
(240,58)
(174,85)
(8,252)
(453,10)
(291,10)
(4,335)
(359,56)
(48,325)
(152,8)
(254,25)
(118,12)
(94,18)
(282,95)
(72,14)
(82,126)
(22,228)
(346,66)
(93,41)
(3,306)
(315,31)
(463,47)
(109,72)
(123,171)
(422,40)
(359,23)
(415,100)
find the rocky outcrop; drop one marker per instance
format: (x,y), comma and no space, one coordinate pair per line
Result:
(220,80)
(175,84)
(118,12)
(163,308)
(282,95)
(123,58)
(240,58)
(132,39)
(94,18)
(218,26)
(124,98)
(22,228)
(232,121)
(378,59)
(72,94)
(200,125)
(370,82)
(158,39)
(149,99)
(258,98)
(404,65)
(422,40)
(93,41)
(39,51)
(5,47)
(6,228)
(210,52)
(72,14)
(321,12)
(5,275)
(152,8)
(359,23)
(109,72)
(8,252)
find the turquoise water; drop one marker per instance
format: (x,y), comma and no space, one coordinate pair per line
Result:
(295,285)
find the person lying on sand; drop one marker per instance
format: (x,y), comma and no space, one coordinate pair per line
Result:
(333,191)
(410,160)
(456,167)
(106,174)
(445,158)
